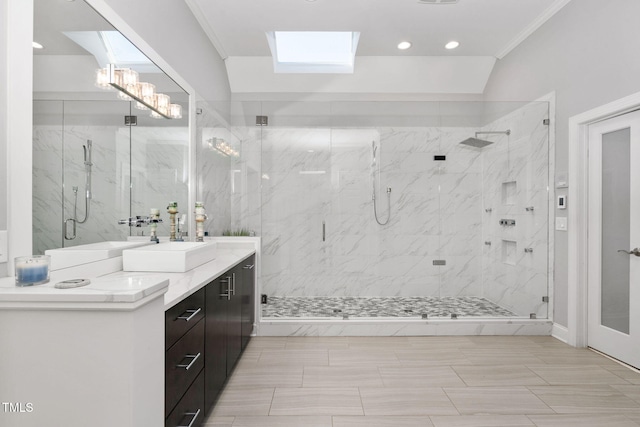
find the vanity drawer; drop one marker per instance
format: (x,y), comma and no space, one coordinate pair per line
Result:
(183,363)
(190,410)
(182,317)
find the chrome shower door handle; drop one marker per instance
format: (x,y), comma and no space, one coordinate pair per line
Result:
(635,251)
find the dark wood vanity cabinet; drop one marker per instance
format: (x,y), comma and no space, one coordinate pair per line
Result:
(247,293)
(184,362)
(217,296)
(230,309)
(205,335)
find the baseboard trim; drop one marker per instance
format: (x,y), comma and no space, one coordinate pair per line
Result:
(560,332)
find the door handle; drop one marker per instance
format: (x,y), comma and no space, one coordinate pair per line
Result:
(635,251)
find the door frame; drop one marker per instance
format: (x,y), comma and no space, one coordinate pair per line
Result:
(578,223)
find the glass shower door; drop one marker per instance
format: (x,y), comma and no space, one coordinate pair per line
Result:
(296,228)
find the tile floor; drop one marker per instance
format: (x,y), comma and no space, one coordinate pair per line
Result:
(279,307)
(463,381)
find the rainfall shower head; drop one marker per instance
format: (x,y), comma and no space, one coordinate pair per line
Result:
(475,142)
(481,143)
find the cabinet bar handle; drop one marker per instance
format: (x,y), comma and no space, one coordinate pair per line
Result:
(228,282)
(186,367)
(193,420)
(192,314)
(249,266)
(233,281)
(324,229)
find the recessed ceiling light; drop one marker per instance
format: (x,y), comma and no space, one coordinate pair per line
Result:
(452,45)
(404,45)
(37,45)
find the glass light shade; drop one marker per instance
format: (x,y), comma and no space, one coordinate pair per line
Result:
(148,93)
(156,115)
(147,90)
(102,78)
(163,101)
(129,77)
(134,90)
(124,96)
(117,77)
(140,106)
(175,111)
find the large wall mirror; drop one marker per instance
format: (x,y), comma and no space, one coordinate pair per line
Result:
(100,155)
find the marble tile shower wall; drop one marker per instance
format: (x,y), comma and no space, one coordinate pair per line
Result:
(158,175)
(317,175)
(110,201)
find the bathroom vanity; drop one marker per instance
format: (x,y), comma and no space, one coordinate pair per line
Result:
(124,349)
(205,335)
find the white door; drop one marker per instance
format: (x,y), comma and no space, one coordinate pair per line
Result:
(614,238)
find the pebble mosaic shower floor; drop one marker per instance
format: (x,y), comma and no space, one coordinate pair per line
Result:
(287,307)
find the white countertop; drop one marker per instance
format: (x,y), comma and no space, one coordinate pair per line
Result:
(181,285)
(123,290)
(131,289)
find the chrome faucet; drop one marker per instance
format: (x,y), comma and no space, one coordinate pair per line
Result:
(140,221)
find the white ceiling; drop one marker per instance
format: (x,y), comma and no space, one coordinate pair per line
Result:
(486,29)
(67,66)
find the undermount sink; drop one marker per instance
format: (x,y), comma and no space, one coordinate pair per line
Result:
(169,257)
(76,255)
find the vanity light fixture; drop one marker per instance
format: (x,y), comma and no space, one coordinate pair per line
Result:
(404,45)
(130,88)
(452,45)
(221,146)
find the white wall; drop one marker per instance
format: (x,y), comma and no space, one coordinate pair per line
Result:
(588,54)
(3,120)
(16,113)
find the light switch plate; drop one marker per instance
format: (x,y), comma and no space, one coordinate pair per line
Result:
(4,246)
(561,223)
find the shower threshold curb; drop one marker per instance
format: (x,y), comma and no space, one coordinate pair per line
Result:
(376,326)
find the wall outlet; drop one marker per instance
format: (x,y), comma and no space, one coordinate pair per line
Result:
(4,246)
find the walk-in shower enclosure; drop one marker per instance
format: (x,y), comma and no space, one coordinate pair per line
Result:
(469,227)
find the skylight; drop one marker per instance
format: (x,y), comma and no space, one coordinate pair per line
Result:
(111,47)
(313,51)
